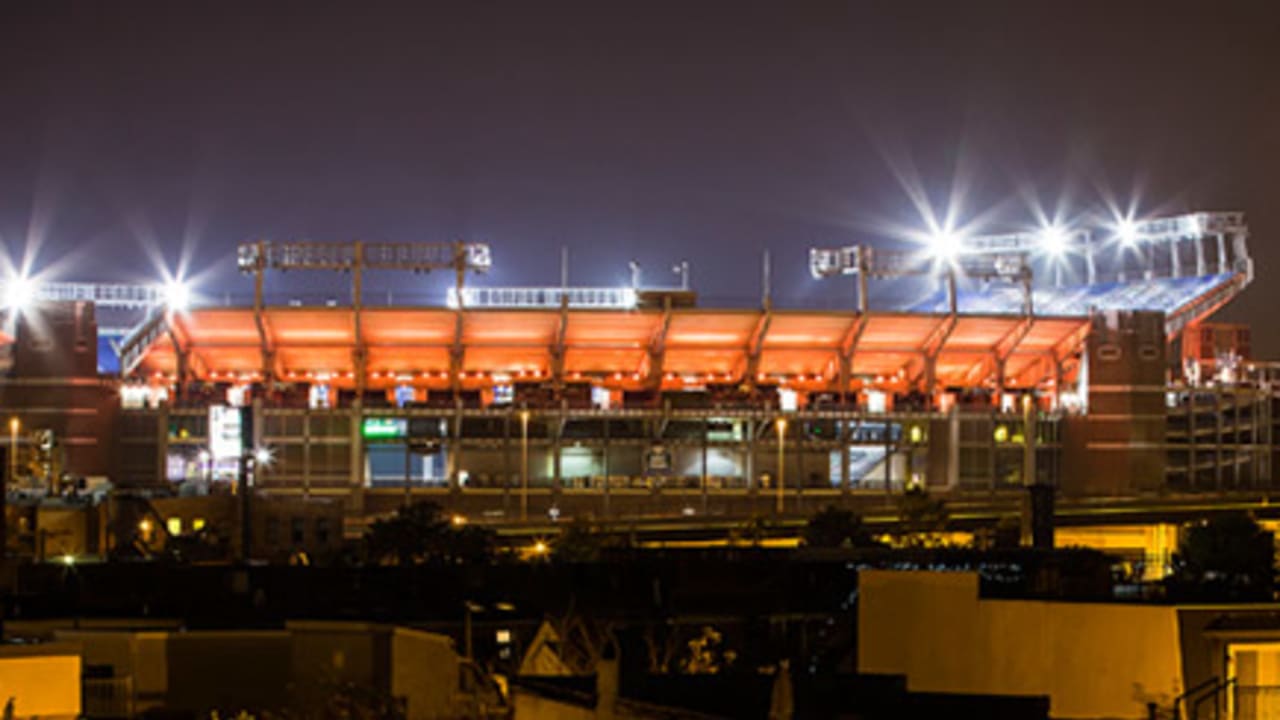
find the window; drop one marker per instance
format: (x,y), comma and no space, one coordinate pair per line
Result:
(197,524)
(322,531)
(297,530)
(273,531)
(174,525)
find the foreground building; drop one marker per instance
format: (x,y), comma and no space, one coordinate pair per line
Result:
(1116,660)
(1080,362)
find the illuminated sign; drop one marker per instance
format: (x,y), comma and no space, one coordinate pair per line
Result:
(383,428)
(225,441)
(404,395)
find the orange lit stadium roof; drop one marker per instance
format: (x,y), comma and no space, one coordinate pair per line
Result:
(624,348)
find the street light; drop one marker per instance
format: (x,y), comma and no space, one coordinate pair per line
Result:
(524,465)
(781,425)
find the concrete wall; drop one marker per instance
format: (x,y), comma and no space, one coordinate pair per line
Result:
(341,652)
(41,681)
(1092,660)
(424,671)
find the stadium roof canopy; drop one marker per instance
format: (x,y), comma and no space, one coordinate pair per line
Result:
(629,349)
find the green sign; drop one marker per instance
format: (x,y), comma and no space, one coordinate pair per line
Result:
(384,428)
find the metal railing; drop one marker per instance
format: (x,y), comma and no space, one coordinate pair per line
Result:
(604,298)
(108,697)
(1256,702)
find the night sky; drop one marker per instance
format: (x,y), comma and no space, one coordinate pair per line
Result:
(133,133)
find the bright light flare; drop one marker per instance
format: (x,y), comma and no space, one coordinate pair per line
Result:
(177,295)
(1054,240)
(1127,231)
(20,292)
(262,457)
(945,244)
(1195,226)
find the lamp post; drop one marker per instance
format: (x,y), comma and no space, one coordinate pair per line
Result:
(781,425)
(682,269)
(524,465)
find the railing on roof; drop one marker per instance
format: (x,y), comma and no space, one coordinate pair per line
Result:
(115,295)
(414,256)
(588,298)
(136,344)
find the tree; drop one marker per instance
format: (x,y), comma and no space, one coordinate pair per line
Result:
(581,541)
(1229,556)
(751,532)
(836,527)
(707,654)
(919,514)
(420,533)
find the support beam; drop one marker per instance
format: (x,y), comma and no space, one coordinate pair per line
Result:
(658,347)
(558,344)
(755,345)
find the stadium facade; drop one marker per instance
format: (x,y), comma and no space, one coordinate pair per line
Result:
(1082,360)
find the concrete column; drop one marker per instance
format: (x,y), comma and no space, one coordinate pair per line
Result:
(842,437)
(1192,475)
(1217,440)
(506,463)
(455,447)
(953,448)
(604,468)
(556,479)
(706,429)
(355,479)
(306,453)
(992,448)
(162,446)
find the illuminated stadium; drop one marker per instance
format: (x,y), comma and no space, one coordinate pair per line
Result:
(1077,358)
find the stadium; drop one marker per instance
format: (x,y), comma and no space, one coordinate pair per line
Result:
(1080,359)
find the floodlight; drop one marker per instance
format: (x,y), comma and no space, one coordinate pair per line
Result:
(1127,231)
(1054,240)
(1195,227)
(19,292)
(177,295)
(945,245)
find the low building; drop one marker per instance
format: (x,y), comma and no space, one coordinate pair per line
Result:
(1091,659)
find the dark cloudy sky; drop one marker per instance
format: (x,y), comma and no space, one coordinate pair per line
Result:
(700,130)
